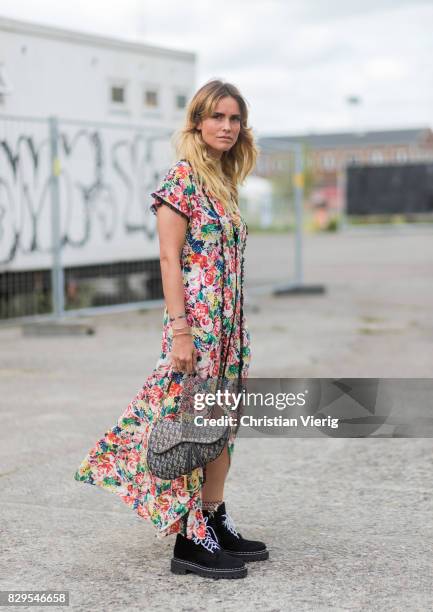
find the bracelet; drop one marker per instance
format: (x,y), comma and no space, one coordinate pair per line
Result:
(180,316)
(183,327)
(178,328)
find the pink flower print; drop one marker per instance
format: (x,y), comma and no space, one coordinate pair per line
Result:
(233,357)
(164,501)
(209,277)
(228,310)
(139,478)
(228,295)
(201,310)
(206,323)
(105,465)
(219,208)
(217,326)
(133,458)
(175,195)
(156,393)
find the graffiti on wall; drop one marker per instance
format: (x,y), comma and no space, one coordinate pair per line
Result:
(105,178)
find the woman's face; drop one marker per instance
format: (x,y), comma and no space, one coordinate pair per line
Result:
(220,131)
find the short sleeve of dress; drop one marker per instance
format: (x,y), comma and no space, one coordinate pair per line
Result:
(175,190)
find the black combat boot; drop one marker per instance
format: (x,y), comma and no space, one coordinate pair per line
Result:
(231,540)
(205,557)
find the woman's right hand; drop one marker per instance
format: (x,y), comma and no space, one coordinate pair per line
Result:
(183,354)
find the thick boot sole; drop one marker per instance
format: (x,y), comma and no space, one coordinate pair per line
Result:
(258,555)
(179,566)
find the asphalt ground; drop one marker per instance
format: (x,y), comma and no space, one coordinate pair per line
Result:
(348,522)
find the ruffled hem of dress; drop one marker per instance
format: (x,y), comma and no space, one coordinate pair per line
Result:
(160,200)
(195,525)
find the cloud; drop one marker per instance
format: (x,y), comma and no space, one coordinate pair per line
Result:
(296,62)
(338,10)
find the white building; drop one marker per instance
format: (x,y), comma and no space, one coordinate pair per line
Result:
(47,70)
(117,103)
(256,200)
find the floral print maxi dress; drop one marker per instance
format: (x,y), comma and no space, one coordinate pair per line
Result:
(212,262)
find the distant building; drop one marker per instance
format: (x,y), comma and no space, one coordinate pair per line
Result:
(331,152)
(327,155)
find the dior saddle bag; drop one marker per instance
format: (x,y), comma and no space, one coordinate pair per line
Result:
(176,446)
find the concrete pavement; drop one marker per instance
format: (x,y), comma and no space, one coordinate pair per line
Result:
(348,522)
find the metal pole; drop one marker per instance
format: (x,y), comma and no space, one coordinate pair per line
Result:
(342,188)
(297,285)
(299,198)
(57,275)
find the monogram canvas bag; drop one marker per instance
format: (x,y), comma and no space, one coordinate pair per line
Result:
(176,446)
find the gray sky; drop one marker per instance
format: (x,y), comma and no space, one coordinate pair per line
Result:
(295,61)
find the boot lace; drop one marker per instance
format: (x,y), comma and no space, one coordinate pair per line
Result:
(209,542)
(229,524)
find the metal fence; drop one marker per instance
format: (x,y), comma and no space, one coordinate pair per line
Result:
(76,231)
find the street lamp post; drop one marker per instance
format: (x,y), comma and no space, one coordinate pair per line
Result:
(353,102)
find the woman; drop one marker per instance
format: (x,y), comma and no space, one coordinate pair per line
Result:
(202,238)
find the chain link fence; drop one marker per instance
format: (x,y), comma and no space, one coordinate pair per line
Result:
(76,232)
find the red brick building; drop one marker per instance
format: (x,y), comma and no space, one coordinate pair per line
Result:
(327,155)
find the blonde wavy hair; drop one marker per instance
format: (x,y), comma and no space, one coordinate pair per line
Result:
(219,177)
